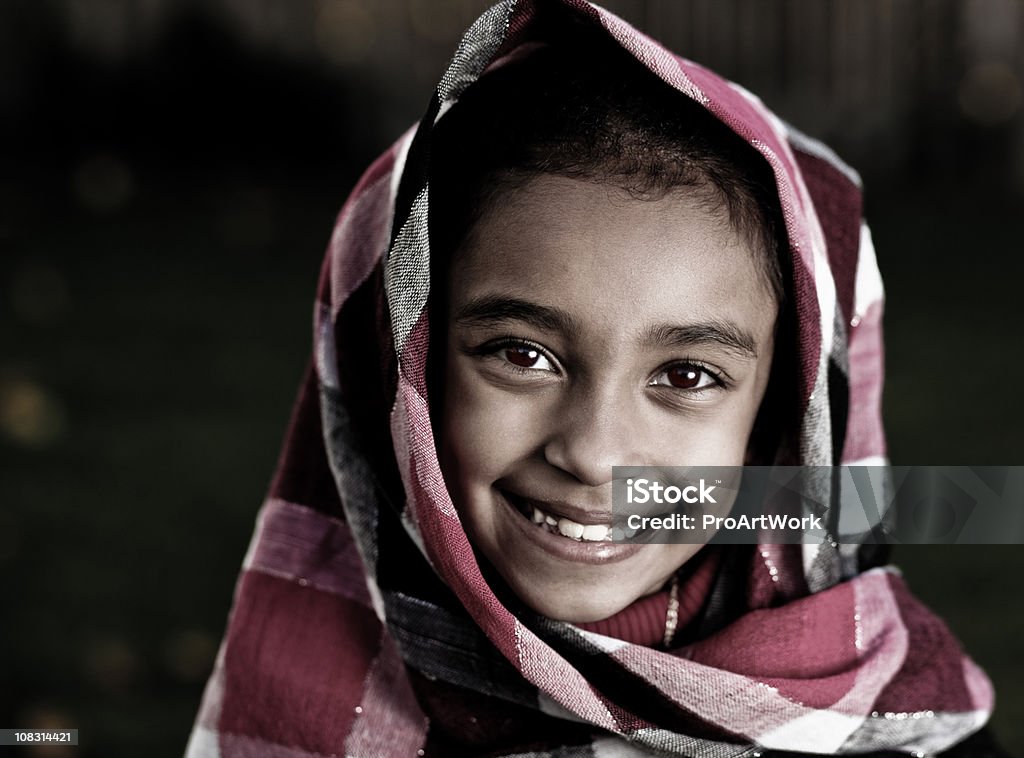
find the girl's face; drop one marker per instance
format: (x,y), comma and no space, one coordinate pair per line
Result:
(589,329)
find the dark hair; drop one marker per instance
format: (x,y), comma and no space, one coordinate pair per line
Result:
(585,108)
(589,110)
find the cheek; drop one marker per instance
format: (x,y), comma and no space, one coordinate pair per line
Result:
(720,440)
(716,436)
(485,431)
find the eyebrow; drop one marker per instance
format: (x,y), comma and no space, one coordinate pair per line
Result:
(496,309)
(490,310)
(724,334)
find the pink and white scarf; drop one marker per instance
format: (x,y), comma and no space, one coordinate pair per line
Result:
(362,624)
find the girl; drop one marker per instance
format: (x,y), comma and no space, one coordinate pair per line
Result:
(589,253)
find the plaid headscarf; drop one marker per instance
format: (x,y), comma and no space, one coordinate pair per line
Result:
(362,624)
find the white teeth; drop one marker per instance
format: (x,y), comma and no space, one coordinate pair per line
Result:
(570,529)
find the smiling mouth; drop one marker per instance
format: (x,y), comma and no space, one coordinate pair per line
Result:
(561,526)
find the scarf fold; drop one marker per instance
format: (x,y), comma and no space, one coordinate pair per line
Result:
(363,623)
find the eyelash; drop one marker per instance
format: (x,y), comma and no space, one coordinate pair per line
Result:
(492,348)
(718,381)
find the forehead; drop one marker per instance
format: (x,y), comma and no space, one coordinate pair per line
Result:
(614,260)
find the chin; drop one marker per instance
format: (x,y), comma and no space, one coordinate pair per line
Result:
(579,594)
(584,607)
(579,611)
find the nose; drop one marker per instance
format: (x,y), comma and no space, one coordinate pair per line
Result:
(592,432)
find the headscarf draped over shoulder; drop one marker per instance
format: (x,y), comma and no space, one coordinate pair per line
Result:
(362,624)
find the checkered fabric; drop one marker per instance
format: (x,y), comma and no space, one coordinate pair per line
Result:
(362,624)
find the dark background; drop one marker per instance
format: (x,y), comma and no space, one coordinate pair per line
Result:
(169,175)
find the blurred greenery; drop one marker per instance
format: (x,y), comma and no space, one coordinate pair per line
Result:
(948,254)
(171,367)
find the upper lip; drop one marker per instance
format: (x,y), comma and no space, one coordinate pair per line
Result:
(563,509)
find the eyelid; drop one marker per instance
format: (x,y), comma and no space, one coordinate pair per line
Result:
(492,346)
(719,379)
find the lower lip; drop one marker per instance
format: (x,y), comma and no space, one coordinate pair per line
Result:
(564,548)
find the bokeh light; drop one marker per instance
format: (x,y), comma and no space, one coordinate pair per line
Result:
(111,664)
(30,415)
(103,183)
(188,655)
(48,718)
(345,30)
(990,93)
(436,20)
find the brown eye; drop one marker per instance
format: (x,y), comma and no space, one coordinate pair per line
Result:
(685,376)
(523,356)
